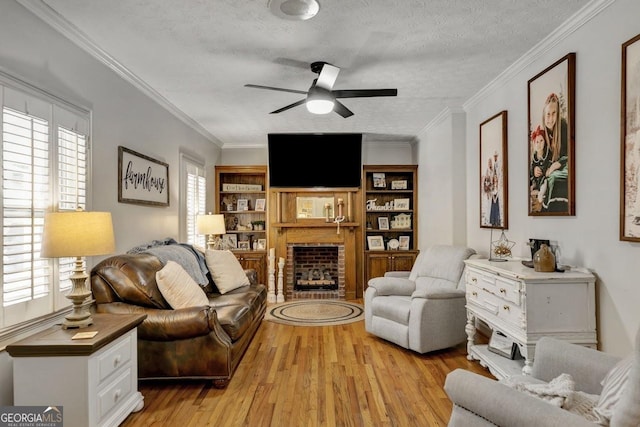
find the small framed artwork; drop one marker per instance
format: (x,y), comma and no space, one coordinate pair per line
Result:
(493,172)
(502,345)
(262,244)
(401,204)
(229,241)
(399,184)
(551,109)
(260,204)
(376,243)
(379,180)
(383,223)
(141,179)
(630,140)
(243,204)
(244,245)
(404,243)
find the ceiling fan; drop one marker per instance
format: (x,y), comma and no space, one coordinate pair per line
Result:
(320,98)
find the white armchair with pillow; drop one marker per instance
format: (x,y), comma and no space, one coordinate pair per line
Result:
(422,310)
(604,390)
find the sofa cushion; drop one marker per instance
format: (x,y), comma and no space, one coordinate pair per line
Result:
(226,271)
(612,388)
(179,288)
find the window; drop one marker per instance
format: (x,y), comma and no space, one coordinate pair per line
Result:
(194,187)
(44,168)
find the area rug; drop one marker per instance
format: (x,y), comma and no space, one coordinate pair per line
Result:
(315,313)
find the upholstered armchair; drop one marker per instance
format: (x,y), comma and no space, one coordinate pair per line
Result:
(600,389)
(422,310)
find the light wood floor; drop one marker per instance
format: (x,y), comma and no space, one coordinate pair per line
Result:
(313,376)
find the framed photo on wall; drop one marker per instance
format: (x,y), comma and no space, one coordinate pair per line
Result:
(494,206)
(630,142)
(551,110)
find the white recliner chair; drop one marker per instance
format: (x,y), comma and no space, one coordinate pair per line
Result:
(422,310)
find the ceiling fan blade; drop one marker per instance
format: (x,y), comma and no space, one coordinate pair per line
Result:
(364,93)
(342,110)
(327,76)
(295,104)
(304,92)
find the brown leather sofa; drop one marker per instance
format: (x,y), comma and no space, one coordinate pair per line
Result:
(199,342)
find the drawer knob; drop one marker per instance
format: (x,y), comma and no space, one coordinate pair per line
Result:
(506,307)
(474,280)
(503,291)
(116,395)
(474,293)
(116,361)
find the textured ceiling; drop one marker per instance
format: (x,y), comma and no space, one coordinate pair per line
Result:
(198,54)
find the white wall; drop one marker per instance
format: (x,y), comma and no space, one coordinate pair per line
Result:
(122,115)
(590,238)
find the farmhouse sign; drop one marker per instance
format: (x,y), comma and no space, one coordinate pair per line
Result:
(141,179)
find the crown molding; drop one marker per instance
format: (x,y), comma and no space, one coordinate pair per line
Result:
(71,32)
(572,24)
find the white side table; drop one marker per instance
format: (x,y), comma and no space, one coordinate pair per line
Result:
(526,305)
(94,380)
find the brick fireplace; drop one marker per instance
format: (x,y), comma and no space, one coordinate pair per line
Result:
(315,271)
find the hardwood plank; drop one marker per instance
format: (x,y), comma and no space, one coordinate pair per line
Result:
(313,376)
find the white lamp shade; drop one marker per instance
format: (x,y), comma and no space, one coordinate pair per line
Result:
(210,224)
(77,234)
(319,101)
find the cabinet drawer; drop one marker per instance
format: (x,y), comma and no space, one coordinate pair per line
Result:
(506,289)
(115,357)
(494,306)
(114,393)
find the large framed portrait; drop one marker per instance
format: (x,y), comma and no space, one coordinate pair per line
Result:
(551,96)
(494,206)
(630,140)
(141,179)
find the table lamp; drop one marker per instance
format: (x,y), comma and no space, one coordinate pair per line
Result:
(77,234)
(213,225)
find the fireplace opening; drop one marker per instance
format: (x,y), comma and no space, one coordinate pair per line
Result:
(315,267)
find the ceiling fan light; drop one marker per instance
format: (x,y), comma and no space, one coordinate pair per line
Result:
(320,106)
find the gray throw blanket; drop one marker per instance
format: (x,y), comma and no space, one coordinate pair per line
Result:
(170,250)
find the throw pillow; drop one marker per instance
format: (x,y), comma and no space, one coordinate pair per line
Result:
(612,387)
(179,288)
(226,271)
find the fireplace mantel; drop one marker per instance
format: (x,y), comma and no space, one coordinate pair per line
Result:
(287,230)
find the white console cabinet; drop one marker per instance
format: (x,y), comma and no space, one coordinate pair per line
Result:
(94,380)
(526,305)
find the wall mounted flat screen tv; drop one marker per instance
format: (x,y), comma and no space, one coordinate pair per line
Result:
(332,160)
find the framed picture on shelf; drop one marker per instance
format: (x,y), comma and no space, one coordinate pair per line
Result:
(630,140)
(502,345)
(401,204)
(379,180)
(399,184)
(376,243)
(383,223)
(260,204)
(404,242)
(493,172)
(229,241)
(262,244)
(243,204)
(551,96)
(244,245)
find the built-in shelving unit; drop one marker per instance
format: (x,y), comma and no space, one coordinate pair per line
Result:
(390,218)
(241,196)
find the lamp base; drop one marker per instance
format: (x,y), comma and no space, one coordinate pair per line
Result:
(80,317)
